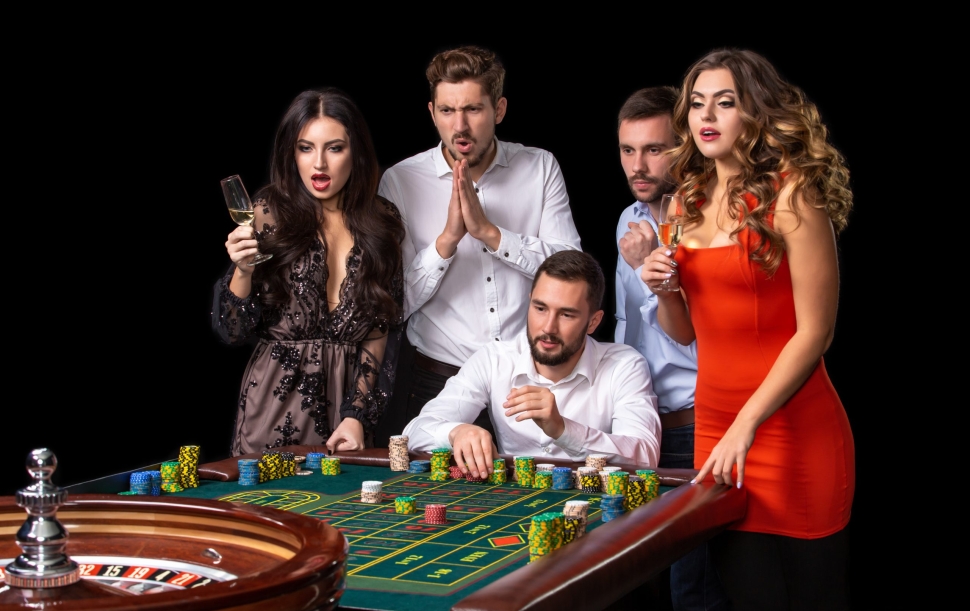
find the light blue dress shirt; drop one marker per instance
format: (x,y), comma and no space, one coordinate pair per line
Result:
(673,367)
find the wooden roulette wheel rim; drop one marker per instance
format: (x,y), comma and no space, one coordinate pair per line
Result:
(286,560)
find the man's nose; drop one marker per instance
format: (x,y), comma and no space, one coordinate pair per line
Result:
(639,164)
(461,122)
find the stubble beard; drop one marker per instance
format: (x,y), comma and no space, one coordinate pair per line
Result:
(552,360)
(660,187)
(472,161)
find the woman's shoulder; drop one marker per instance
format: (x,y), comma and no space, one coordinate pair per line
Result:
(389,207)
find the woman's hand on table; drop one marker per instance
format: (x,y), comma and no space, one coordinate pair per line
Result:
(731,450)
(349,435)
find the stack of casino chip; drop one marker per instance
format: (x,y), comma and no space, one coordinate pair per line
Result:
(405,504)
(498,474)
(435,514)
(542,479)
(289,464)
(545,534)
(525,469)
(189,466)
(562,478)
(604,479)
(313,460)
(612,506)
(651,482)
(636,494)
(475,480)
(576,514)
(140,482)
(248,471)
(545,467)
(419,466)
(330,465)
(397,451)
(596,461)
(270,466)
(617,482)
(156,483)
(611,469)
(170,476)
(455,472)
(590,480)
(440,464)
(371,492)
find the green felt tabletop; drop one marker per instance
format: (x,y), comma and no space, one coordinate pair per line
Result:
(398,562)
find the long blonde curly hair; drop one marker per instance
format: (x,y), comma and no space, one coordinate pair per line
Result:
(782,136)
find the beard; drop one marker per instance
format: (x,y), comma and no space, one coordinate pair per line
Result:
(657,187)
(473,160)
(556,358)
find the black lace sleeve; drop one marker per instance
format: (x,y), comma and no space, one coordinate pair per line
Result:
(233,319)
(376,361)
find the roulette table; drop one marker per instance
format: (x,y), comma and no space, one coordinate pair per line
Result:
(296,541)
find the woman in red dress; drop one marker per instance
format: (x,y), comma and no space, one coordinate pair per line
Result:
(757,269)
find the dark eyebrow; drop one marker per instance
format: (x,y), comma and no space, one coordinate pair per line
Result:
(566,310)
(716,93)
(662,145)
(325,144)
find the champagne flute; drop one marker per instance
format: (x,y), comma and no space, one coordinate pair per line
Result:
(670,226)
(240,207)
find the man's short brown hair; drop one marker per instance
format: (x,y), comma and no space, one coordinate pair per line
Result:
(468,64)
(573,266)
(648,102)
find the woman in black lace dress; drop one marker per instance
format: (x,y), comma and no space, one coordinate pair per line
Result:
(326,309)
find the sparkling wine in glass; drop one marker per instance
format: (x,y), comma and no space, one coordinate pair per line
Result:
(240,207)
(670,226)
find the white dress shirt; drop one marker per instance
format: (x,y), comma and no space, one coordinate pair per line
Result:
(673,367)
(486,293)
(607,404)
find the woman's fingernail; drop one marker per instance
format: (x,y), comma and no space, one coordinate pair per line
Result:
(739,485)
(693,481)
(667,252)
(667,275)
(674,263)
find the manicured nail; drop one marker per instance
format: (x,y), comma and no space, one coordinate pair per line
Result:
(674,263)
(693,481)
(667,275)
(667,252)
(739,485)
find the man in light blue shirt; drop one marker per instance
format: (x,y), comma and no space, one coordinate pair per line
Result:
(645,133)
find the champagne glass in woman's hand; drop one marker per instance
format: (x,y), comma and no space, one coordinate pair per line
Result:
(670,228)
(240,207)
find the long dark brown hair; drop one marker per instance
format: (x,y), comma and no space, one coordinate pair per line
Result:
(375,224)
(782,134)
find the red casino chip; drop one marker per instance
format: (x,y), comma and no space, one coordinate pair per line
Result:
(435,514)
(456,472)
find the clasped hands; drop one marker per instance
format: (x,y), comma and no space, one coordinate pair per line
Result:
(473,446)
(465,215)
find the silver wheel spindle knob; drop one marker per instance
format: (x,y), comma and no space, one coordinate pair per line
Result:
(43,563)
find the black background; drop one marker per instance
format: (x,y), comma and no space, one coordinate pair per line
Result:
(116,365)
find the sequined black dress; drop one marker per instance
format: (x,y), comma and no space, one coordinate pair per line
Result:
(311,367)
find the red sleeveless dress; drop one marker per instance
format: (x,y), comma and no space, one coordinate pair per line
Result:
(800,470)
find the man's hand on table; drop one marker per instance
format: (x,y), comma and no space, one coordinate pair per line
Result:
(473,446)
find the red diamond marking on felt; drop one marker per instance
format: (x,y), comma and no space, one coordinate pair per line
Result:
(506,541)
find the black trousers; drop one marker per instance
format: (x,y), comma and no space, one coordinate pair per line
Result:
(760,571)
(413,388)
